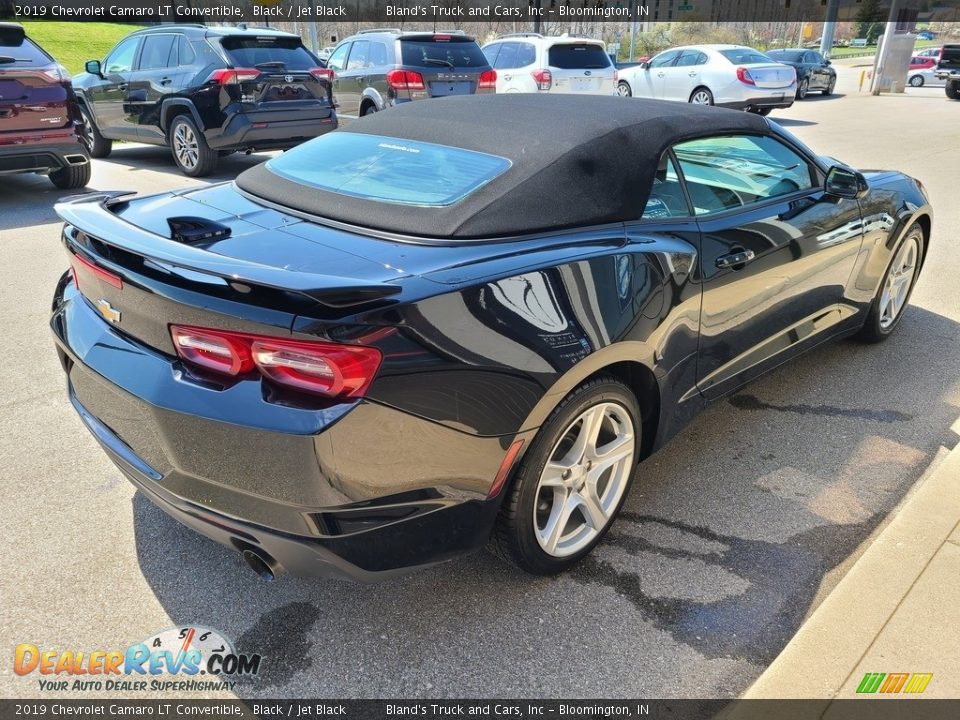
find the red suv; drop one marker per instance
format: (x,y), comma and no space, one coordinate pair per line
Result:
(41,128)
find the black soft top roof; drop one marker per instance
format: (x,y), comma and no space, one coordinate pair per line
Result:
(577,161)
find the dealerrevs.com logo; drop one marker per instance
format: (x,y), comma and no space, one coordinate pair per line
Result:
(175,660)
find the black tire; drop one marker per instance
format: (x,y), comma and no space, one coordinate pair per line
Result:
(368,109)
(916,81)
(953,90)
(623,89)
(828,90)
(802,89)
(189,148)
(514,538)
(704,92)
(71,177)
(873,330)
(97,145)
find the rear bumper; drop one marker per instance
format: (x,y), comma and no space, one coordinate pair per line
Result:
(274,129)
(36,154)
(762,101)
(353,491)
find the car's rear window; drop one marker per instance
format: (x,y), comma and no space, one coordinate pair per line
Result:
(17,50)
(455,52)
(580,56)
(386,169)
(744,56)
(264,51)
(787,55)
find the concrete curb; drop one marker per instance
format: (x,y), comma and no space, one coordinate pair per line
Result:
(822,659)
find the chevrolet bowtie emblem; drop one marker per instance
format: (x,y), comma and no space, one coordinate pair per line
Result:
(106,309)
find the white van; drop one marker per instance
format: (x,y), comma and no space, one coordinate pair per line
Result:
(530,62)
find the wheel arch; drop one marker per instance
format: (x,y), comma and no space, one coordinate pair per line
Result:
(368,97)
(630,362)
(172,107)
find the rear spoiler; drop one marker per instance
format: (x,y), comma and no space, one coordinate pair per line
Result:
(91,214)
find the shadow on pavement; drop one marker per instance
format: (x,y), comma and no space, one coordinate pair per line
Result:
(728,537)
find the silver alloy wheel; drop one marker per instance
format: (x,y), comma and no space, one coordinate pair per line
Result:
(185,146)
(584,479)
(900,276)
(87,131)
(700,97)
(623,90)
(916,81)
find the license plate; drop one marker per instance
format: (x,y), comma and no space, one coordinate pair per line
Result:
(451,88)
(582,84)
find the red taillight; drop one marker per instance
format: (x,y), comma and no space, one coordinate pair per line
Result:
(322,73)
(234,76)
(108,277)
(743,75)
(215,350)
(405,80)
(321,368)
(543,78)
(488,80)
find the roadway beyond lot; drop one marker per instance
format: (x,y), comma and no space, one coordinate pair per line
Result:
(732,534)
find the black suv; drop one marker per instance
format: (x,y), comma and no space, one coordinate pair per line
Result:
(376,69)
(206,92)
(41,130)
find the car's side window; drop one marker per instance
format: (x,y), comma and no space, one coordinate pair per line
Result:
(732,171)
(338,58)
(526,54)
(665,59)
(507,59)
(186,54)
(378,55)
(688,58)
(156,52)
(358,56)
(120,60)
(666,199)
(490,53)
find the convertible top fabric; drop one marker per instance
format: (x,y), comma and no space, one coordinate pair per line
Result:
(577,161)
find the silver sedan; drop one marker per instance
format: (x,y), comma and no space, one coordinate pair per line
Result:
(725,75)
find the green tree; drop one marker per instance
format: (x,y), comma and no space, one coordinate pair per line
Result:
(870,19)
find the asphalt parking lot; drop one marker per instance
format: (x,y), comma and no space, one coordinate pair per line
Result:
(732,534)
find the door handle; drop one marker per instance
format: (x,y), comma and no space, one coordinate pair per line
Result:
(741,257)
(692,73)
(659,74)
(164,81)
(121,87)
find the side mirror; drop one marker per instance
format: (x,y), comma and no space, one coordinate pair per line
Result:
(645,65)
(826,61)
(93,67)
(845,182)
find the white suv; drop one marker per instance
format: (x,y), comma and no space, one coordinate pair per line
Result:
(529,62)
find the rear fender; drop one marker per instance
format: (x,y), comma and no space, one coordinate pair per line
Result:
(172,107)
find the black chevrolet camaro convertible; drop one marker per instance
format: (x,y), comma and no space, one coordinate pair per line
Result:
(462,323)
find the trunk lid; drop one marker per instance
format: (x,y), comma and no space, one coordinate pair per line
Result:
(450,64)
(34,92)
(580,67)
(772,75)
(275,73)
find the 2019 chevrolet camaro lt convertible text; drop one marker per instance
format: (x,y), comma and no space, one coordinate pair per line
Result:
(462,323)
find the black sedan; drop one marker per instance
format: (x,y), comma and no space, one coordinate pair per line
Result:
(814,71)
(452,325)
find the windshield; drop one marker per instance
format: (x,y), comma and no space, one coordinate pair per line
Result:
(386,169)
(744,56)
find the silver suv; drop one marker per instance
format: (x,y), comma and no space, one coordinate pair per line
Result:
(376,69)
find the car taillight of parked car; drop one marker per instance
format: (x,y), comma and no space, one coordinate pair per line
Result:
(330,370)
(405,80)
(543,78)
(743,75)
(488,80)
(234,76)
(322,73)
